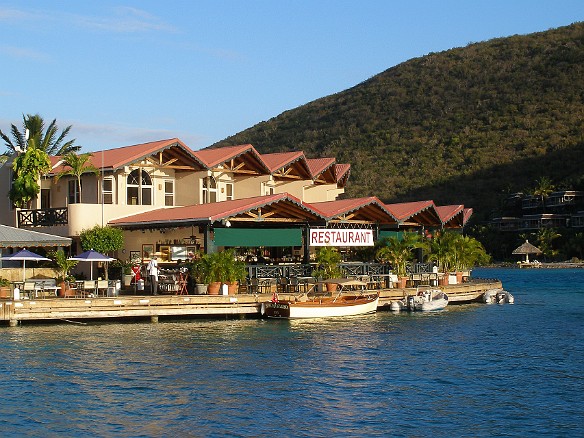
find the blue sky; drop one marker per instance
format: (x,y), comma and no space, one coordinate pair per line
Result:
(127,72)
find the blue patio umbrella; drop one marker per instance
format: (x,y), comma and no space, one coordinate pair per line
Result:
(24,255)
(91,256)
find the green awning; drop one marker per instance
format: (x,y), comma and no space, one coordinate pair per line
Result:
(254,237)
(398,234)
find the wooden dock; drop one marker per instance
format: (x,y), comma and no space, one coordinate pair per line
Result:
(13,312)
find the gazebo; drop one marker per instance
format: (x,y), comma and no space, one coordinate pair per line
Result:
(525,249)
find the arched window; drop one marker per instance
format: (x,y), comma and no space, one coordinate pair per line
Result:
(209,190)
(139,188)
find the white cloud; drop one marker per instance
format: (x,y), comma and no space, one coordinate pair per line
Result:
(124,20)
(24,53)
(120,20)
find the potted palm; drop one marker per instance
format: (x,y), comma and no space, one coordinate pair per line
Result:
(398,253)
(200,272)
(64,265)
(328,260)
(219,268)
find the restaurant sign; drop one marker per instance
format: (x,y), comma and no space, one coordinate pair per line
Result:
(325,237)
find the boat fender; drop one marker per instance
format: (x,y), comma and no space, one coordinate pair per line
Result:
(263,309)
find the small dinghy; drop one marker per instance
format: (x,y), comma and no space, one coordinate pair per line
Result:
(428,300)
(498,296)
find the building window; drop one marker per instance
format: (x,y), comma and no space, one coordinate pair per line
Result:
(45,198)
(108,190)
(229,191)
(169,192)
(269,188)
(209,190)
(74,196)
(139,188)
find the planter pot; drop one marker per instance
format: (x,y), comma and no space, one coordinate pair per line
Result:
(200,289)
(233,288)
(459,277)
(62,289)
(128,279)
(5,292)
(213,288)
(443,281)
(402,282)
(331,287)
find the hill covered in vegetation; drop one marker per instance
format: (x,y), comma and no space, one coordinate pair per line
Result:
(464,125)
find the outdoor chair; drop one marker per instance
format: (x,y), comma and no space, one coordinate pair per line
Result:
(102,286)
(89,287)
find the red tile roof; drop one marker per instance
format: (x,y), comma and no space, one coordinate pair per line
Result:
(447,212)
(331,209)
(278,160)
(123,156)
(405,210)
(214,157)
(319,165)
(210,212)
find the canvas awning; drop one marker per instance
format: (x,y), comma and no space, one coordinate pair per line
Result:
(11,237)
(255,237)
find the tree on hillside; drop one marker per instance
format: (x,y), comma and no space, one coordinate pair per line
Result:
(50,141)
(78,165)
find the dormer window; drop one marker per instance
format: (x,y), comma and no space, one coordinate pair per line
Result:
(139,188)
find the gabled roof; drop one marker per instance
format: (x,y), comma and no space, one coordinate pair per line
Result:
(415,213)
(11,237)
(270,208)
(467,214)
(452,216)
(289,165)
(368,209)
(171,153)
(278,160)
(237,159)
(342,172)
(322,168)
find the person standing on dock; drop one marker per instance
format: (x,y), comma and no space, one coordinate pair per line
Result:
(152,270)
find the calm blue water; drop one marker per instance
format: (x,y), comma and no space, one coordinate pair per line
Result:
(472,370)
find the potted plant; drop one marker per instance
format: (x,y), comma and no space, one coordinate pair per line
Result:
(328,260)
(4,288)
(235,271)
(219,268)
(200,273)
(64,265)
(398,253)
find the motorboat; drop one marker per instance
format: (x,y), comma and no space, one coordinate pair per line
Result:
(498,296)
(321,307)
(428,300)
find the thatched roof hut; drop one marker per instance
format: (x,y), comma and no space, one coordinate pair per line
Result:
(526,249)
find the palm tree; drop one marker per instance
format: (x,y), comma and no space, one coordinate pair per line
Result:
(50,141)
(545,238)
(543,189)
(78,164)
(398,252)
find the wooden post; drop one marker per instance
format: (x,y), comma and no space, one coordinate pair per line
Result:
(154,319)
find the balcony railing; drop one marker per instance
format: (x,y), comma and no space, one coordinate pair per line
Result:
(46,217)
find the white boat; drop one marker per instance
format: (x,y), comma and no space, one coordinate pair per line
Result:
(428,300)
(398,305)
(321,307)
(498,296)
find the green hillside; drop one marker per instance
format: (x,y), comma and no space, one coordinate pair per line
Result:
(464,125)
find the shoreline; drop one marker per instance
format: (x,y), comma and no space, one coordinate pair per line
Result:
(538,265)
